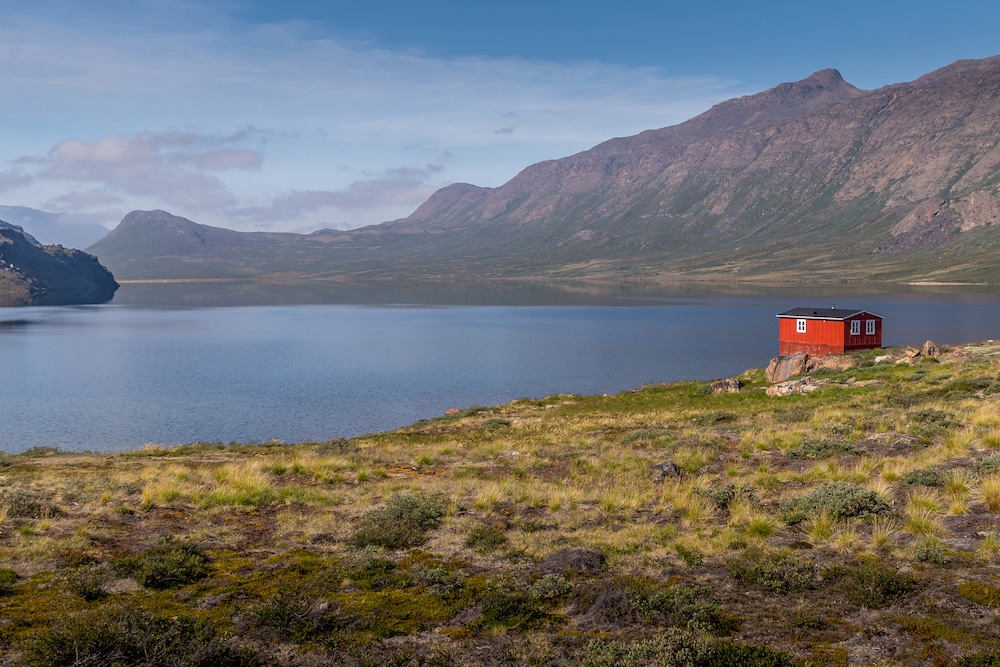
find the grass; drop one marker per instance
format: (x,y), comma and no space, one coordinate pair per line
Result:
(452,541)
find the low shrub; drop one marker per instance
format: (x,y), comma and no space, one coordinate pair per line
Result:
(127,635)
(486,538)
(990,463)
(505,604)
(714,417)
(87,582)
(28,504)
(7,580)
(932,551)
(684,606)
(724,496)
(168,565)
(780,571)
(841,500)
(924,477)
(296,614)
(370,570)
(675,647)
(875,585)
(403,522)
(495,424)
(980,659)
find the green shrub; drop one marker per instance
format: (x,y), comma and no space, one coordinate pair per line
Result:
(875,585)
(924,477)
(495,424)
(504,604)
(824,448)
(486,538)
(841,500)
(990,463)
(733,654)
(372,571)
(130,635)
(168,565)
(7,580)
(87,582)
(28,504)
(550,587)
(401,523)
(296,614)
(781,571)
(932,551)
(930,422)
(714,417)
(724,496)
(980,659)
(684,606)
(673,648)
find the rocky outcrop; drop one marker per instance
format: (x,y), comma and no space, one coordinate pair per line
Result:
(785,366)
(32,274)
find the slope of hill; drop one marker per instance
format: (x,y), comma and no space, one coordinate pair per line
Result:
(32,274)
(809,180)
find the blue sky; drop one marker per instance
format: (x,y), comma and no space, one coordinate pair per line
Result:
(299,115)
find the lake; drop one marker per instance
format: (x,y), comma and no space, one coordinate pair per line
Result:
(173,364)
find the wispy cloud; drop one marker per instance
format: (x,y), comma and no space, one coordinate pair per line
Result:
(102,103)
(396,187)
(173,168)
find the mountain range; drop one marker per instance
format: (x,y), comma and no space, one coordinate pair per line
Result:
(811,180)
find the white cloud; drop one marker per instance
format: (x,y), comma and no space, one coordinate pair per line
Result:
(151,117)
(172,168)
(396,187)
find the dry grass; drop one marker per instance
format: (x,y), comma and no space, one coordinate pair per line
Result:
(564,473)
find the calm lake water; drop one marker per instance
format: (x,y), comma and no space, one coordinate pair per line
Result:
(174,364)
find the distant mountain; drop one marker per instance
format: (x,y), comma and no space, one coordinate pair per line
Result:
(812,180)
(53,228)
(32,274)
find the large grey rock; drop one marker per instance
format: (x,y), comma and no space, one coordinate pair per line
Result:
(785,366)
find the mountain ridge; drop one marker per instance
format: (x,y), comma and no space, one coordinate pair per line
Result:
(813,179)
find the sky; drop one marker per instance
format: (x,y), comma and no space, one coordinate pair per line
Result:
(261,115)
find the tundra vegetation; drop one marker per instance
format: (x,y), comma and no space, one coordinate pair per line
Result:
(854,525)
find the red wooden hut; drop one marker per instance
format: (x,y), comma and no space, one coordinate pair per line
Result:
(821,331)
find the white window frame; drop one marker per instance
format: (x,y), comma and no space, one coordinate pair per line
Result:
(855,327)
(800,325)
(869,327)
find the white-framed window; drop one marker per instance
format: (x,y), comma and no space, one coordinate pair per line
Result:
(800,326)
(855,327)
(869,327)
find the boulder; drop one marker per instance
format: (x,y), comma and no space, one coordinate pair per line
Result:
(728,386)
(662,470)
(785,366)
(834,362)
(804,385)
(930,349)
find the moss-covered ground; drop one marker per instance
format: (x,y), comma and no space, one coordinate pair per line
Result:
(858,524)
